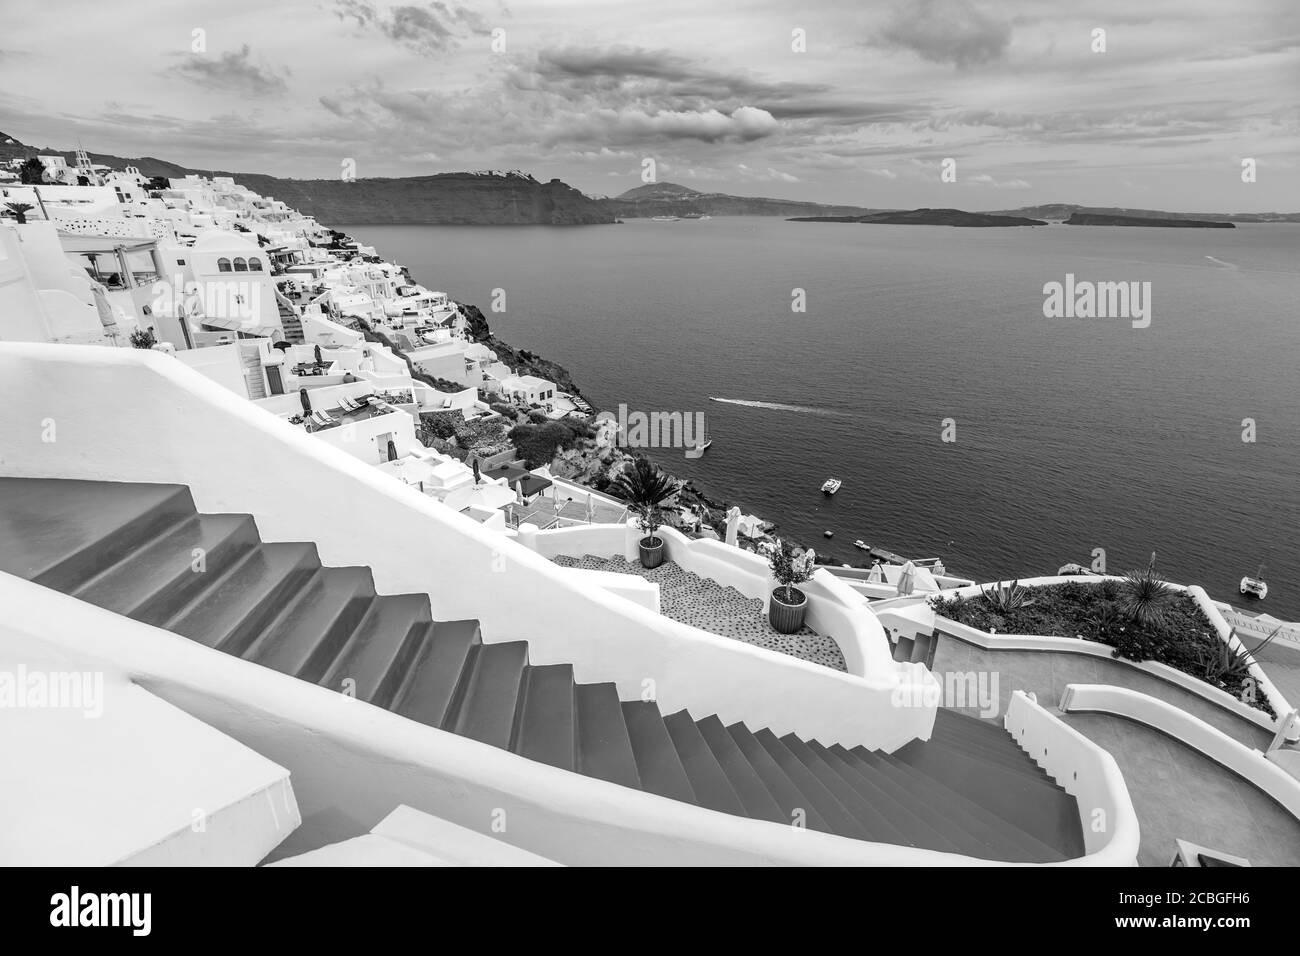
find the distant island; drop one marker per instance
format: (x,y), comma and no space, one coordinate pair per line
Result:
(1102,219)
(929,217)
(1062,212)
(671,199)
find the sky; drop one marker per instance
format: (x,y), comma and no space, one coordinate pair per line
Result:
(854,101)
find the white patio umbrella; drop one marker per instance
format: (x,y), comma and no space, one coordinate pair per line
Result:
(876,575)
(591,509)
(733,525)
(907,579)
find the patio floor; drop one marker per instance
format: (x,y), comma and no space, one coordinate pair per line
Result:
(1178,792)
(702,603)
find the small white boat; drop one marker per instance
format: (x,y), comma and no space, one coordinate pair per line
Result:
(697,450)
(831,485)
(861,544)
(1255,587)
(665,218)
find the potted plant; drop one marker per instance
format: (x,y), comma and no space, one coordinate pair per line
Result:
(646,488)
(649,518)
(788,606)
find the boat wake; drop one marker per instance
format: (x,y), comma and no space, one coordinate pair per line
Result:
(1221,263)
(777,406)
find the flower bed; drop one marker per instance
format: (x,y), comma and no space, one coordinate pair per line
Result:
(1178,635)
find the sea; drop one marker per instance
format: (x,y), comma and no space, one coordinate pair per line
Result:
(916,364)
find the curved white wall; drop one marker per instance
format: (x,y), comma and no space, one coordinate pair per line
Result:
(1111,833)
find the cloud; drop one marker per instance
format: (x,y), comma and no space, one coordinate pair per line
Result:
(621,127)
(947,31)
(984,179)
(427,30)
(233,72)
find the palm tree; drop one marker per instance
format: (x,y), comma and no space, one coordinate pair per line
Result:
(645,488)
(643,485)
(19,210)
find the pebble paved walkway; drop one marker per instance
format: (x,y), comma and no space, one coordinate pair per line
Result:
(702,603)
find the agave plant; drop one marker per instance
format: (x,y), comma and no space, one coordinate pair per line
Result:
(1225,665)
(1144,596)
(1007,597)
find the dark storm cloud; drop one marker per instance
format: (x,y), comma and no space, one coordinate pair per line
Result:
(947,31)
(233,72)
(429,29)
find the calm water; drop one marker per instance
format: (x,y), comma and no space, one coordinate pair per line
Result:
(1072,434)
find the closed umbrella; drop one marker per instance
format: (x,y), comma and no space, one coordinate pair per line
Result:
(591,509)
(876,575)
(907,579)
(392,450)
(733,525)
(306,401)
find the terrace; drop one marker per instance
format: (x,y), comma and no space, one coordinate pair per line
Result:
(340,415)
(700,602)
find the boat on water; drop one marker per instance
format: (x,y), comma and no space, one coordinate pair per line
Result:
(861,544)
(665,218)
(702,445)
(831,485)
(1256,586)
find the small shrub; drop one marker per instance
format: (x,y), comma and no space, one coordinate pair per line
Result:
(790,566)
(143,339)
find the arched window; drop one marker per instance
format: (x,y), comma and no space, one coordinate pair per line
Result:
(241,265)
(223,265)
(254,264)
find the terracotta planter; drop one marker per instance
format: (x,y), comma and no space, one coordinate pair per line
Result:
(787,618)
(652,555)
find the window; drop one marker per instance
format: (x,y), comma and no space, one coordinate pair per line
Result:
(180,262)
(254,264)
(241,265)
(223,265)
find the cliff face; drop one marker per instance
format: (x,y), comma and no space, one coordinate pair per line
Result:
(445,199)
(522,361)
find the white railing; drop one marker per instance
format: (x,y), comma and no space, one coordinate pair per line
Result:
(1088,773)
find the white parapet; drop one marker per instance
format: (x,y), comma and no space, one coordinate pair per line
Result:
(97,771)
(1086,772)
